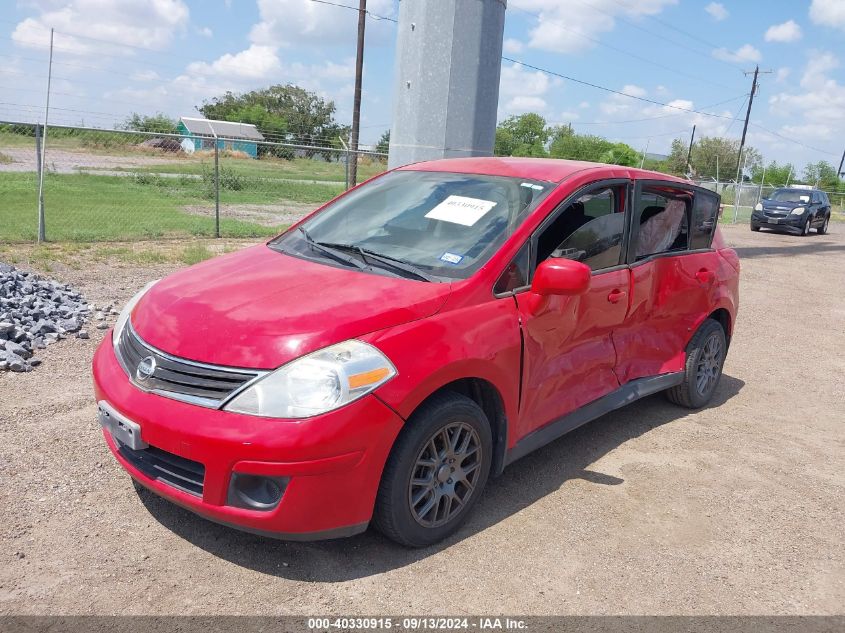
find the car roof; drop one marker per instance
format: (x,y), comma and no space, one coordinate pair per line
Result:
(548,169)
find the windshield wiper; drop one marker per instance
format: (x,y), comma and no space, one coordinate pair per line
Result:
(393,262)
(331,250)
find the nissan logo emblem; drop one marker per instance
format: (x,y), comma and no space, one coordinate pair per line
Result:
(145,369)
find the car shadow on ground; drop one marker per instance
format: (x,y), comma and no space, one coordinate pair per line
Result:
(811,243)
(523,483)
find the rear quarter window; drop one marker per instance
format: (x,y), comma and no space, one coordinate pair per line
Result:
(705,215)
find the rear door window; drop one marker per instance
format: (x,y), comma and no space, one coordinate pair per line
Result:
(661,221)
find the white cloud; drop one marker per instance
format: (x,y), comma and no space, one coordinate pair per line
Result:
(789,31)
(619,103)
(205,32)
(782,73)
(256,62)
(145,75)
(828,13)
(567,27)
(522,90)
(142,23)
(745,53)
(302,22)
(717,11)
(512,46)
(816,111)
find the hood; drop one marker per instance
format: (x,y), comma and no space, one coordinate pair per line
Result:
(259,308)
(777,205)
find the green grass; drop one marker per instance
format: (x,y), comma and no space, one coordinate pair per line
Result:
(5,159)
(87,207)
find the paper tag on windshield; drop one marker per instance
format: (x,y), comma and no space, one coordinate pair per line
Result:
(461,210)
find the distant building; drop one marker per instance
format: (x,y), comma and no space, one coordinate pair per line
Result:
(199,134)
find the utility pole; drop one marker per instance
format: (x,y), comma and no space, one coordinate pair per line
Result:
(841,162)
(689,151)
(356,104)
(754,86)
(42,235)
(645,151)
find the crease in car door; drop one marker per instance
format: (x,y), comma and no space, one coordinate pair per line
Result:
(569,354)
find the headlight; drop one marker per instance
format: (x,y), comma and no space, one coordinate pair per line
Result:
(758,206)
(123,319)
(797,211)
(317,383)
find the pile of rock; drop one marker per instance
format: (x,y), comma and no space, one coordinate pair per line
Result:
(35,312)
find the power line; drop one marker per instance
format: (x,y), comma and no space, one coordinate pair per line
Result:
(611,90)
(651,118)
(621,50)
(375,16)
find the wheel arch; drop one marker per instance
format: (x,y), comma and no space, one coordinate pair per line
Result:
(723,318)
(488,397)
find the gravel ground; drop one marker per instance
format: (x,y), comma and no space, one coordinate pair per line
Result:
(735,509)
(62,161)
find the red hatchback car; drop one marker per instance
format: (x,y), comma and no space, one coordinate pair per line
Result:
(381,359)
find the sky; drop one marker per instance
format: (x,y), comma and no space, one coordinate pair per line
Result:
(114,57)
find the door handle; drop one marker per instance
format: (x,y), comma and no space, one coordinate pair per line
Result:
(705,276)
(616,295)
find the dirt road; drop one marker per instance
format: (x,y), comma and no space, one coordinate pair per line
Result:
(735,509)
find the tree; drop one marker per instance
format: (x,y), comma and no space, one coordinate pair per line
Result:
(775,174)
(621,154)
(821,174)
(522,135)
(383,145)
(708,153)
(567,144)
(285,113)
(143,123)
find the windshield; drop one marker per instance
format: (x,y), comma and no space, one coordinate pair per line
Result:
(790,195)
(433,224)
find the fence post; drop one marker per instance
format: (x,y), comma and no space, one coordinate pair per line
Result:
(216,188)
(39,165)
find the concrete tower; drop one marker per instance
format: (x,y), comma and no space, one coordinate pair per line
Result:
(446,92)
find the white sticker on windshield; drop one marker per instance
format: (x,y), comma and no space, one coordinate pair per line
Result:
(461,210)
(531,185)
(451,258)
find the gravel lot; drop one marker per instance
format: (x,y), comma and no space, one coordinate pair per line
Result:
(735,509)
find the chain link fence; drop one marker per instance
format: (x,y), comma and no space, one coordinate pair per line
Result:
(118,185)
(739,199)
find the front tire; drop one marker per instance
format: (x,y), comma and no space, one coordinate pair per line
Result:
(823,228)
(435,472)
(806,230)
(705,359)
(755,227)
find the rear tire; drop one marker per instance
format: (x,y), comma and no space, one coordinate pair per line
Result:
(823,228)
(435,472)
(703,370)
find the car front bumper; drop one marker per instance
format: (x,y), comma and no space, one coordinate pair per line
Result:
(331,464)
(791,223)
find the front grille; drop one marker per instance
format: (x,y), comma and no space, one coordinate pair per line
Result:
(180,379)
(181,473)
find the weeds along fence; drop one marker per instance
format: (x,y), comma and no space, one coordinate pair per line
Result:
(117,185)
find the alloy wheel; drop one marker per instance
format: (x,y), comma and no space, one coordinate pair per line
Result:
(709,365)
(445,474)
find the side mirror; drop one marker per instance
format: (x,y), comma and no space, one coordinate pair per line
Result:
(558,276)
